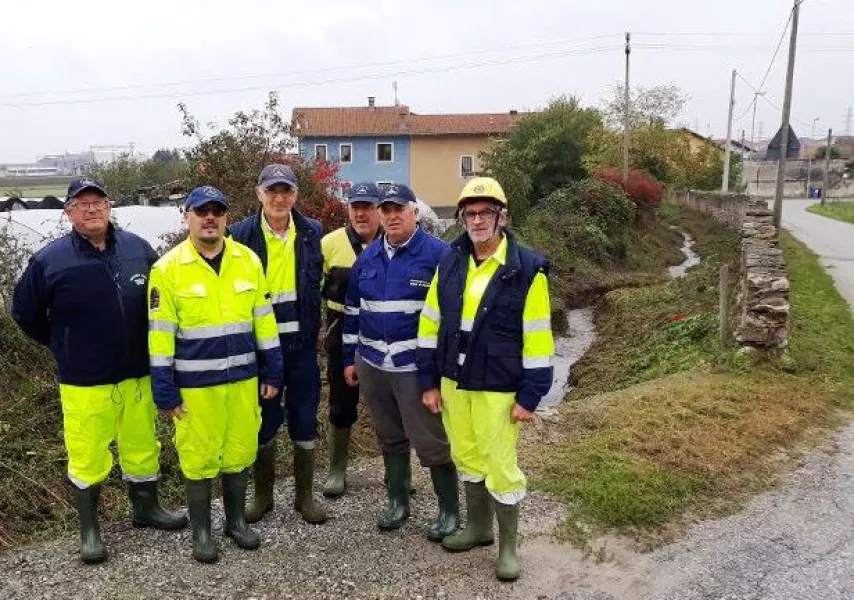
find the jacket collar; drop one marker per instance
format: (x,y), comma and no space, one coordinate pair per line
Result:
(301,223)
(354,238)
(81,242)
(189,254)
(377,247)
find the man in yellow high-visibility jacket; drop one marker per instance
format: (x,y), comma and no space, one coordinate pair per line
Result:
(484,360)
(212,337)
(340,249)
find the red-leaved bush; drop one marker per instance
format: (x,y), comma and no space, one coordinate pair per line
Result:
(641,189)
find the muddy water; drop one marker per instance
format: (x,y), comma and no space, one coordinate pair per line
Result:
(692,259)
(568,350)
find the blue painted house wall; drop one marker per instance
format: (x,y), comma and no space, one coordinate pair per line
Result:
(364,166)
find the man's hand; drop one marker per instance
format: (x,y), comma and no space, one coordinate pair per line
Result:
(350,376)
(268,392)
(521,414)
(174,413)
(432,399)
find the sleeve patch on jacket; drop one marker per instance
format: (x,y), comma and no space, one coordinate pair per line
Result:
(154,299)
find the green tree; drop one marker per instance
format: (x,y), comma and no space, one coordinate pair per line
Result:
(542,153)
(648,106)
(835,152)
(126,178)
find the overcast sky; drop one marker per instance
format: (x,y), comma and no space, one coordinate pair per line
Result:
(447,56)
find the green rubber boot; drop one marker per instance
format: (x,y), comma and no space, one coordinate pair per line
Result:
(199,507)
(92,549)
(339,449)
(234,503)
(264,474)
(478,528)
(448,494)
(507,566)
(304,502)
(399,475)
(146,509)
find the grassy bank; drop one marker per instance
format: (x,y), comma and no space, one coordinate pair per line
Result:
(665,425)
(841,211)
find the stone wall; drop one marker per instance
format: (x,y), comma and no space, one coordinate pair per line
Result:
(761,317)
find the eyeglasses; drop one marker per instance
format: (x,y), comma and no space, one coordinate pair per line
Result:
(470,216)
(89,205)
(216,210)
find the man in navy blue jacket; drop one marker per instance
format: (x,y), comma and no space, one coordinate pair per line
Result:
(388,284)
(84,296)
(288,244)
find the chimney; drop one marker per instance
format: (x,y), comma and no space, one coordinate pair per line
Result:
(371,101)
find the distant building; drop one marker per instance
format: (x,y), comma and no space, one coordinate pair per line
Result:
(433,154)
(793,148)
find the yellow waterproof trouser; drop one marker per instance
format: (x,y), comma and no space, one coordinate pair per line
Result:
(96,416)
(219,431)
(483,439)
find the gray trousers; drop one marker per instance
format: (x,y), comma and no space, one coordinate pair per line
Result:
(394,401)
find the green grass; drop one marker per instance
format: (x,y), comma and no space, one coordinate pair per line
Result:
(841,211)
(665,423)
(35,191)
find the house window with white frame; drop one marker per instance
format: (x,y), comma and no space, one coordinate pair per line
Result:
(385,152)
(345,153)
(466,165)
(320,151)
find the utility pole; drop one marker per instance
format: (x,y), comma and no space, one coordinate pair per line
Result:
(626,118)
(728,150)
(825,188)
(753,124)
(787,113)
(809,159)
(848,118)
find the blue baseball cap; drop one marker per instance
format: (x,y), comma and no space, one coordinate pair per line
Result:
(204,195)
(82,184)
(397,193)
(276,173)
(364,192)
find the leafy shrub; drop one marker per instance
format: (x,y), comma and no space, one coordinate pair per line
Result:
(641,189)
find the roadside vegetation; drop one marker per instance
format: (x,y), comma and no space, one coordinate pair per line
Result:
(841,211)
(665,425)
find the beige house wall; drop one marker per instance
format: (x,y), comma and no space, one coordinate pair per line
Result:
(435,166)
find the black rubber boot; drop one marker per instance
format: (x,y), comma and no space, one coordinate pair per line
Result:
(304,502)
(234,502)
(479,516)
(92,549)
(399,475)
(448,495)
(147,511)
(339,449)
(199,507)
(264,474)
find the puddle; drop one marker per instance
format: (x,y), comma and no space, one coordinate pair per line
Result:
(568,350)
(692,259)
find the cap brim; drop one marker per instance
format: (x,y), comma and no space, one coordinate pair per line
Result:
(279,181)
(363,200)
(400,201)
(97,188)
(207,201)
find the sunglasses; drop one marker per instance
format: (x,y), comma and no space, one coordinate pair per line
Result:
(217,210)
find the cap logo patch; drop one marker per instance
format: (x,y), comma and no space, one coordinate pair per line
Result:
(277,172)
(210,191)
(479,189)
(139,279)
(361,190)
(392,190)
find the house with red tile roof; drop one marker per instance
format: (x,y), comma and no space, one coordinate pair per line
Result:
(433,154)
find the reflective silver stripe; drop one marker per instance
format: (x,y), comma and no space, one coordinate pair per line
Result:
(350,338)
(260,311)
(289,327)
(428,342)
(213,331)
(283,297)
(351,310)
(466,324)
(431,313)
(267,344)
(540,362)
(161,361)
(537,325)
(393,348)
(161,325)
(391,306)
(214,364)
(461,358)
(509,497)
(139,478)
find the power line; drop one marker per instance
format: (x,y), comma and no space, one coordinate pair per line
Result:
(349,67)
(291,84)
